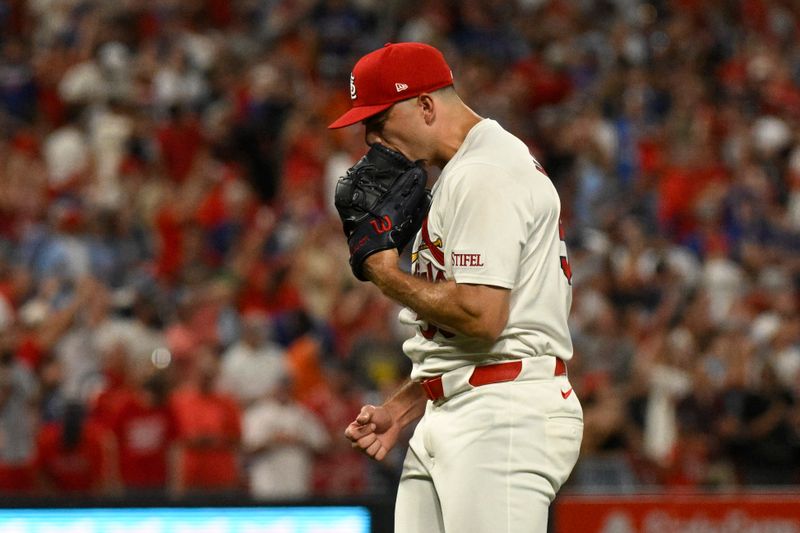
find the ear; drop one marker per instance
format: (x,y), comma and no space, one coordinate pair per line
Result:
(427,106)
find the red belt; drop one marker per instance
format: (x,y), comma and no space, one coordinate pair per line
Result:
(486,374)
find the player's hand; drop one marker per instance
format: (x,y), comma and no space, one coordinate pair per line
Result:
(374,432)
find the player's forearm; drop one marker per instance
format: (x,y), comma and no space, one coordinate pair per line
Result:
(446,304)
(433,302)
(407,404)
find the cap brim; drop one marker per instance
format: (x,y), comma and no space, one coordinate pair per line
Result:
(357,114)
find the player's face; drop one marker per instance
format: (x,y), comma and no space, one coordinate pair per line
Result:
(398,128)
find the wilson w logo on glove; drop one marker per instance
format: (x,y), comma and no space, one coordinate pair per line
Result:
(383,226)
(381,201)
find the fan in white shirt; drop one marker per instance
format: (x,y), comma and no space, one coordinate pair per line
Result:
(253,366)
(281,437)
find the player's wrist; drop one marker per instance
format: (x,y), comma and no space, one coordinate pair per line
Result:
(407,405)
(379,265)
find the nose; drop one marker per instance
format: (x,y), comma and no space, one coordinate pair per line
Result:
(371,137)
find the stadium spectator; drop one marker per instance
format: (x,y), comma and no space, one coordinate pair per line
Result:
(118,386)
(18,423)
(208,431)
(145,430)
(76,455)
(280,439)
(337,470)
(253,366)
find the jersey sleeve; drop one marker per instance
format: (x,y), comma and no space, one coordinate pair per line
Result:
(487,226)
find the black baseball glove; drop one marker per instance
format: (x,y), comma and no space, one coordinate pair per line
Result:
(382,201)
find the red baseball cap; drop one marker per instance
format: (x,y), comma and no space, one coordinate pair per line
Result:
(396,72)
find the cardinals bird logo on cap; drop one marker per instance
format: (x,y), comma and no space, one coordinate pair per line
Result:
(352,86)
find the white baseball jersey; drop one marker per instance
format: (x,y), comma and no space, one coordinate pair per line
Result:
(494,220)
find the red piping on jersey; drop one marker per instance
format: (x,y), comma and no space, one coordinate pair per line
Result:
(438,254)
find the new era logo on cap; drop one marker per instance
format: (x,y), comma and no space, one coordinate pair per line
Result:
(373,82)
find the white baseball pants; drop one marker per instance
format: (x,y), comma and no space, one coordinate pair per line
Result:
(491,459)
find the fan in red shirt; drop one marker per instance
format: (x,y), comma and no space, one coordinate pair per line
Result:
(75,454)
(145,429)
(209,431)
(119,388)
(180,140)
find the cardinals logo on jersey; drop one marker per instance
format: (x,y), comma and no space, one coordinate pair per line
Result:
(423,246)
(428,259)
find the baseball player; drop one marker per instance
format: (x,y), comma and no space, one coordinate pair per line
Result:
(499,426)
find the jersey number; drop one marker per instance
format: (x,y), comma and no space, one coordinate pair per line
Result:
(564,261)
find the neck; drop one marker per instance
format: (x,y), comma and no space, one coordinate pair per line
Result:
(460,120)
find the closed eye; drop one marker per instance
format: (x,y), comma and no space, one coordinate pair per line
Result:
(375,123)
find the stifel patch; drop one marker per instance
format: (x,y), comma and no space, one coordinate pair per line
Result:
(466,259)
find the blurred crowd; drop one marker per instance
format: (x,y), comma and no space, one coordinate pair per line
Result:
(177,315)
